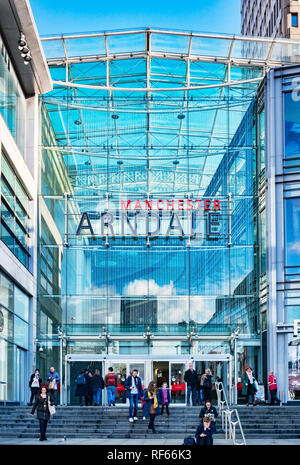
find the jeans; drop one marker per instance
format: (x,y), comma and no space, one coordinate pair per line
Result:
(53,392)
(134,398)
(111,393)
(97,395)
(34,391)
(200,396)
(190,391)
(43,428)
(273,393)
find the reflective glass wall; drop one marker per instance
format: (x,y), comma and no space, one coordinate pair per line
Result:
(131,234)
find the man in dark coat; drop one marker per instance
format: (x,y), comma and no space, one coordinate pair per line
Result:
(81,387)
(190,377)
(204,433)
(134,391)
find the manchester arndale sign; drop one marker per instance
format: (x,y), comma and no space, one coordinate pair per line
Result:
(155,217)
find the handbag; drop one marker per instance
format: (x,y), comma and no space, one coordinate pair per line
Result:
(52,409)
(255,385)
(52,384)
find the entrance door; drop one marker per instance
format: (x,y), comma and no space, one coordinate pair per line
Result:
(177,383)
(161,373)
(76,367)
(219,371)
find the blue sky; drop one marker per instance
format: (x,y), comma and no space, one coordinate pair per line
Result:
(53,16)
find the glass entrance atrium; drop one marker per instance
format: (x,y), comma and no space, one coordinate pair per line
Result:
(152,151)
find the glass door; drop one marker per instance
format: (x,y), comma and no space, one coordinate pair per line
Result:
(74,369)
(120,370)
(177,383)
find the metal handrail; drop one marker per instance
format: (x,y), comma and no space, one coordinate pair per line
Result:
(226,415)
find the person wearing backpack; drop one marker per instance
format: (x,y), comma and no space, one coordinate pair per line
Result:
(110,382)
(81,387)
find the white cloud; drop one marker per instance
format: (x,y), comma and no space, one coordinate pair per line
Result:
(295,247)
(139,287)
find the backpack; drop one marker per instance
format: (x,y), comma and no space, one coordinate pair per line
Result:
(189,441)
(80,379)
(111,379)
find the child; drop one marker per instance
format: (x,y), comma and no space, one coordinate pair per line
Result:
(164,398)
(204,433)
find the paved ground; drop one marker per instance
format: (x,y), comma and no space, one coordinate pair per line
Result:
(137,442)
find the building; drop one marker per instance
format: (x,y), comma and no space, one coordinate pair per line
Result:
(160,205)
(21,82)
(270,18)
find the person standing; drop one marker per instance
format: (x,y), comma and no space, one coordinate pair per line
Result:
(151,407)
(89,388)
(81,387)
(204,433)
(273,388)
(199,388)
(97,384)
(207,381)
(190,377)
(164,398)
(249,388)
(35,383)
(53,378)
(134,391)
(110,381)
(41,404)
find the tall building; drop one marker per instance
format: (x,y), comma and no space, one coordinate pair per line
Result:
(24,74)
(271,18)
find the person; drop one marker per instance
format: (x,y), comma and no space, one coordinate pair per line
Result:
(81,387)
(207,381)
(35,383)
(164,398)
(134,392)
(89,388)
(110,383)
(53,378)
(273,388)
(190,377)
(41,405)
(249,388)
(204,433)
(151,407)
(239,387)
(209,411)
(199,388)
(97,384)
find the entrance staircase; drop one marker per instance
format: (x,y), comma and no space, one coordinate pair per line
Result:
(100,422)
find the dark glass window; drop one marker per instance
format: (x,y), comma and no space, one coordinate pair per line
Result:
(294,19)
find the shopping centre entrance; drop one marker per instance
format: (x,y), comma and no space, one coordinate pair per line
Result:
(157,368)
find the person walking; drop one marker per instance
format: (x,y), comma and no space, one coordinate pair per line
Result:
(134,391)
(110,382)
(204,433)
(164,398)
(97,384)
(53,378)
(249,386)
(199,388)
(209,411)
(81,387)
(273,388)
(35,383)
(41,404)
(190,377)
(207,381)
(151,407)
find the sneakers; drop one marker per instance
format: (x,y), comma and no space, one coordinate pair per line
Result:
(113,404)
(131,420)
(144,418)
(135,418)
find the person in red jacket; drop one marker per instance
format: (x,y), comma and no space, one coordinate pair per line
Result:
(272,387)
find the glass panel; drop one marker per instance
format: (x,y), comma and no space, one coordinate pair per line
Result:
(141,368)
(7,369)
(210,47)
(294,372)
(21,304)
(177,382)
(169,43)
(292,232)
(6,292)
(161,373)
(120,370)
(21,332)
(6,323)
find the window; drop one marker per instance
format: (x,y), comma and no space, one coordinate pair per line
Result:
(294,19)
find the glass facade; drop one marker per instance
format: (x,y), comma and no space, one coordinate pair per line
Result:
(12,101)
(14,209)
(148,202)
(14,336)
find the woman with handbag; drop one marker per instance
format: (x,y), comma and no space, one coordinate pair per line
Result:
(34,384)
(250,386)
(151,407)
(44,406)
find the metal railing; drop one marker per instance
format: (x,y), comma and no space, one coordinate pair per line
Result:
(229,423)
